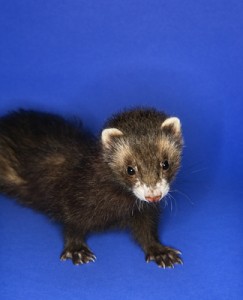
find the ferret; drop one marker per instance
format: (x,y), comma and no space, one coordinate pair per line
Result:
(91,184)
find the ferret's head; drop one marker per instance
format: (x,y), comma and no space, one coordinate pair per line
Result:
(143,150)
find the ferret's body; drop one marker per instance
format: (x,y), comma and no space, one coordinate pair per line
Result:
(51,165)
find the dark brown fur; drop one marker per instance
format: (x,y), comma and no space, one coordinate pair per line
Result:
(51,165)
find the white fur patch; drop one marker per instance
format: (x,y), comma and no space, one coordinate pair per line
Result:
(142,191)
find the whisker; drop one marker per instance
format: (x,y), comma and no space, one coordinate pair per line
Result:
(133,207)
(185,195)
(172,199)
(192,166)
(169,197)
(138,205)
(171,204)
(199,170)
(165,202)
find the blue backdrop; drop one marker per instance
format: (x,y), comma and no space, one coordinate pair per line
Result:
(92,58)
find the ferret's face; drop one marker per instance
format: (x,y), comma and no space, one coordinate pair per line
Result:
(146,165)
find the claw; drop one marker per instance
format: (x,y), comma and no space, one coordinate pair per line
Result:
(149,258)
(164,256)
(93,259)
(179,261)
(78,257)
(171,256)
(174,250)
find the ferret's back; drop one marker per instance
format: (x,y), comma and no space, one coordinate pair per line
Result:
(34,126)
(37,150)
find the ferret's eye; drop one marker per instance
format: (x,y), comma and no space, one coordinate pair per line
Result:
(130,171)
(165,165)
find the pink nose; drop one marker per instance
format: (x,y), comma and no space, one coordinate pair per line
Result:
(154,198)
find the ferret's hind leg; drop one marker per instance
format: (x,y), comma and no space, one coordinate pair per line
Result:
(75,248)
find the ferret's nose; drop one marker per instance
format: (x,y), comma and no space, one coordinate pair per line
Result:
(153,198)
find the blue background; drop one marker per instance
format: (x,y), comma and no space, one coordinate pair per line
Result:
(92,58)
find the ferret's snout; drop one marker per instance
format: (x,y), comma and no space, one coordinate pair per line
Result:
(154,198)
(150,193)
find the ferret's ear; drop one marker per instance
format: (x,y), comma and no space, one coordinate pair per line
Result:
(172,125)
(108,135)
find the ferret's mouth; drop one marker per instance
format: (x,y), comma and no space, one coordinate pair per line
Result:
(156,198)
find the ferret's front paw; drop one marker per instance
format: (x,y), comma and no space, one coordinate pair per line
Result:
(164,256)
(78,257)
